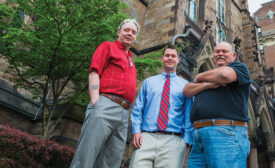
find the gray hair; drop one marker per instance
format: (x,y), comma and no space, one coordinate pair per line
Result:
(130,21)
(230,45)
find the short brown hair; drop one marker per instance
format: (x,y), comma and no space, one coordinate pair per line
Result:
(170,46)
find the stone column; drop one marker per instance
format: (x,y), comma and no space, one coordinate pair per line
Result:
(228,15)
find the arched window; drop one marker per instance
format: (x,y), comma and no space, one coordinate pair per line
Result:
(220,10)
(220,24)
(191,10)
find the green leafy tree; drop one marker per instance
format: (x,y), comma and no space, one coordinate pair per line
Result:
(148,65)
(49,45)
(5,15)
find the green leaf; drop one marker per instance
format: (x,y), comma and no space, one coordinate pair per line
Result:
(54,49)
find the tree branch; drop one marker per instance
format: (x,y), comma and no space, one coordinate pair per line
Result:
(69,78)
(21,76)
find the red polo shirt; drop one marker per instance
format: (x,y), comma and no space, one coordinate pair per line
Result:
(116,70)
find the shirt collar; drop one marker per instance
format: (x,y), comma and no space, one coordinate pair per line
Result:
(171,74)
(118,44)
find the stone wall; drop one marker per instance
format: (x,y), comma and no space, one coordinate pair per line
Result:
(269,51)
(19,121)
(250,46)
(210,14)
(68,128)
(159,21)
(138,11)
(236,22)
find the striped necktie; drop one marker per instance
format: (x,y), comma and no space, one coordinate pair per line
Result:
(164,105)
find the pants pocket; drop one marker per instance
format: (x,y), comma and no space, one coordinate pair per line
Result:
(96,102)
(90,109)
(226,130)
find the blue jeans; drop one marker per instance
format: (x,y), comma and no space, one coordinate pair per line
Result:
(219,147)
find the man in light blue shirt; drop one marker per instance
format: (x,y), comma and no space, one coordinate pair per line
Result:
(161,126)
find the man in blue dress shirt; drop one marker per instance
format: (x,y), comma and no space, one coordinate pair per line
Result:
(162,143)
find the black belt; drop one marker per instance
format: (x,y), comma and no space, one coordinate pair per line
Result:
(118,100)
(164,132)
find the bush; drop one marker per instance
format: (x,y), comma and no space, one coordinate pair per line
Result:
(22,150)
(148,65)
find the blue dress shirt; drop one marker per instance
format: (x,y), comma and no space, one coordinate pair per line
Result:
(145,113)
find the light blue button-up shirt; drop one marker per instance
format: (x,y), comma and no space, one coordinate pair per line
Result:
(145,113)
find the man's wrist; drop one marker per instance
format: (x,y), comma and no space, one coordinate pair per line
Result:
(94,98)
(135,130)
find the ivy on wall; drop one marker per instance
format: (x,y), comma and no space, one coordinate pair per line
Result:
(148,65)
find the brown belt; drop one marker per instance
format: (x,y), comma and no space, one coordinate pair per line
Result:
(200,124)
(118,100)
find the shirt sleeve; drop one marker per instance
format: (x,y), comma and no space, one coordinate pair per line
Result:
(100,58)
(137,112)
(242,72)
(188,127)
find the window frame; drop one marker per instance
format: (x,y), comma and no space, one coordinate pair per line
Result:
(192,10)
(220,21)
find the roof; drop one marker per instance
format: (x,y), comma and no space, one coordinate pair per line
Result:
(12,99)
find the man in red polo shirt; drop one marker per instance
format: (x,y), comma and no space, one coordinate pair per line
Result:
(112,88)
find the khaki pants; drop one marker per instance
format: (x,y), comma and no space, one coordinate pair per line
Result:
(159,151)
(103,136)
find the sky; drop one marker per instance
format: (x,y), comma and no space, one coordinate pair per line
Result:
(254,5)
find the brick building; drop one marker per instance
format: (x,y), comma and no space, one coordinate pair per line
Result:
(196,26)
(265,18)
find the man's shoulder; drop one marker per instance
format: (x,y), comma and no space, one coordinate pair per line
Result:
(181,79)
(107,43)
(153,78)
(237,64)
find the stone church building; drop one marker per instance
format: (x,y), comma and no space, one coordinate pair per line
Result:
(196,26)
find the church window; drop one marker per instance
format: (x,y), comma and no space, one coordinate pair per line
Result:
(220,24)
(191,10)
